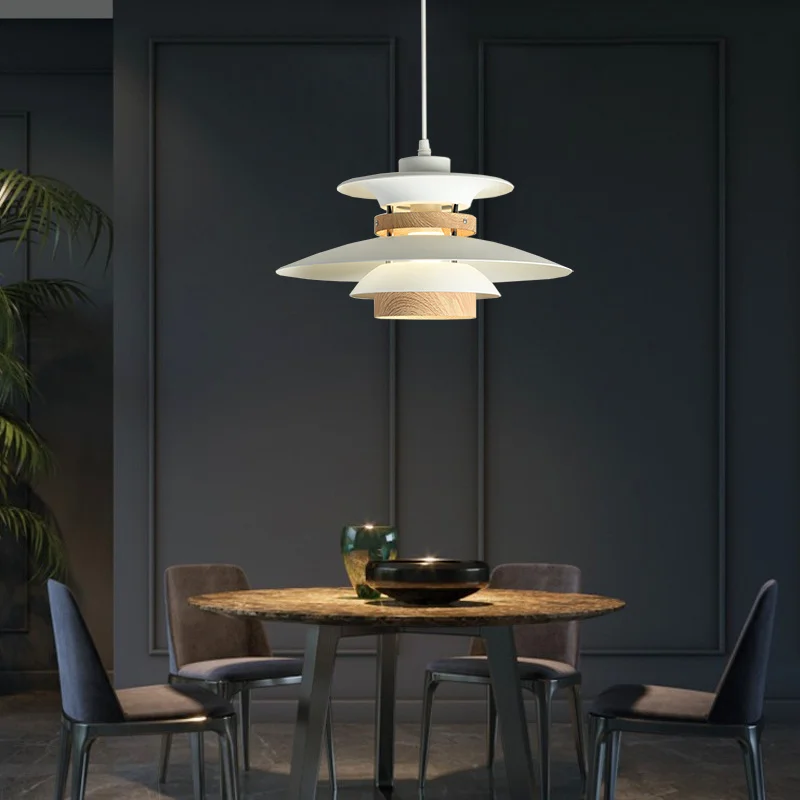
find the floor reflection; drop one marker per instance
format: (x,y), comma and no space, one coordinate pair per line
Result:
(651,767)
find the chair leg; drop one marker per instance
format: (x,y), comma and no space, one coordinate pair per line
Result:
(330,751)
(228,763)
(576,711)
(598,732)
(544,691)
(64,752)
(754,764)
(244,724)
(163,758)
(425,737)
(236,756)
(612,763)
(491,727)
(166,748)
(228,691)
(198,766)
(81,744)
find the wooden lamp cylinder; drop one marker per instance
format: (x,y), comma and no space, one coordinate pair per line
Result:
(425,305)
(407,223)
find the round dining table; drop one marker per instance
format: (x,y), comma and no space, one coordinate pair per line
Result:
(334,613)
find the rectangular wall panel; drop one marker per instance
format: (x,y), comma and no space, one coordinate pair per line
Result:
(271,417)
(605,391)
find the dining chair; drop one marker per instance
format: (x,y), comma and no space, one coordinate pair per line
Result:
(733,711)
(91,709)
(228,655)
(547,656)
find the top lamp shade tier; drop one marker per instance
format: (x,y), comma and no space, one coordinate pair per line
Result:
(351,262)
(406,188)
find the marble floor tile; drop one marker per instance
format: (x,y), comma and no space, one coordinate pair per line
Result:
(662,768)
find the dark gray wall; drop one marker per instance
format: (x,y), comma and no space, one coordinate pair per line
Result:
(56,119)
(637,419)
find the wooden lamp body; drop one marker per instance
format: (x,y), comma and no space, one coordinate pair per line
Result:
(425,305)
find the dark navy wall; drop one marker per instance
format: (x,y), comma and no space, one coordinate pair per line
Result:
(637,419)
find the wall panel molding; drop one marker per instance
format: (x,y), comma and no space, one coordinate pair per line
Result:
(152,424)
(718,647)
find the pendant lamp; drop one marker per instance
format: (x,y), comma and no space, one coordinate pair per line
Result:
(423,262)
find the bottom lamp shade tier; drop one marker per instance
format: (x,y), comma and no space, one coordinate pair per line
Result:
(426,581)
(424,289)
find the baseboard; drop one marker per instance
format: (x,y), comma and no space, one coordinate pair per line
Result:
(32,680)
(15,682)
(363,710)
(454,711)
(782,710)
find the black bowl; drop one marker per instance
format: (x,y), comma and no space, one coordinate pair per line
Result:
(427,581)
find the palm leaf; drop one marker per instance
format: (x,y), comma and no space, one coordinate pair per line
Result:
(34,208)
(10,323)
(23,452)
(8,481)
(17,301)
(39,295)
(39,529)
(15,378)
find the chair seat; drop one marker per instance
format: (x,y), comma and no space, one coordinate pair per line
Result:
(243,669)
(530,669)
(640,701)
(154,703)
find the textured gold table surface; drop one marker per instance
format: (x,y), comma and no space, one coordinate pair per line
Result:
(340,606)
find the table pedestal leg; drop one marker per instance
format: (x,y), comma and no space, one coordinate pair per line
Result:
(384,710)
(510,710)
(312,710)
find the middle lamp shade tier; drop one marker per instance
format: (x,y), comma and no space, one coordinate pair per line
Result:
(351,262)
(425,277)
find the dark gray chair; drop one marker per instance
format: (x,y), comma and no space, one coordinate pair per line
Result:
(228,655)
(92,709)
(733,711)
(547,658)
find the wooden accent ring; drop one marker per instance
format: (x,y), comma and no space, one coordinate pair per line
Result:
(425,305)
(401,224)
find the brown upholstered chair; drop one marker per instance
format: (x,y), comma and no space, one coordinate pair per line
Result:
(91,709)
(548,660)
(229,655)
(733,711)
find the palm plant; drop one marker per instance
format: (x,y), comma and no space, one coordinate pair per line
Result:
(35,210)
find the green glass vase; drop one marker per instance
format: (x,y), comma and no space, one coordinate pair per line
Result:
(362,544)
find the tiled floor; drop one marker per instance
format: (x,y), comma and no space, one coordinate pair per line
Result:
(651,767)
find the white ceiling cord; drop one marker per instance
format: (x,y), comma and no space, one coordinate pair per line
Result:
(424,144)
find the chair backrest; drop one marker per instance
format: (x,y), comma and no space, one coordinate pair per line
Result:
(195,635)
(86,692)
(556,641)
(740,693)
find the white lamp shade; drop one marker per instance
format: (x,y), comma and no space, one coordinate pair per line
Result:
(442,188)
(497,262)
(425,276)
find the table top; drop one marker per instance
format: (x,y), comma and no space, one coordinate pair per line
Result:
(340,606)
